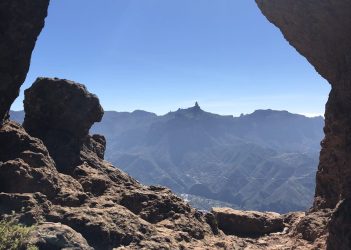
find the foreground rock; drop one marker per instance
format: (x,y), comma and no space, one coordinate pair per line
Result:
(247,223)
(340,227)
(60,113)
(26,167)
(57,236)
(20,24)
(320,31)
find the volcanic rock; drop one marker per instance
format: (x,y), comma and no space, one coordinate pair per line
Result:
(247,223)
(20,24)
(26,167)
(313,225)
(29,208)
(60,113)
(340,227)
(57,236)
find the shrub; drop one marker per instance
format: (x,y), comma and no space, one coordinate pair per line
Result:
(14,235)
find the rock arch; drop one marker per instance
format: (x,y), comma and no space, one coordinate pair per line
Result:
(320,31)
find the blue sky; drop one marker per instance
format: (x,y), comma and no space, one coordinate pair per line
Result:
(161,55)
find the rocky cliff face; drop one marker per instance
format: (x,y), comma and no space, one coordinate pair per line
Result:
(20,23)
(320,31)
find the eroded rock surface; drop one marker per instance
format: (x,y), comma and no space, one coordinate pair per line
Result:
(340,227)
(57,236)
(26,167)
(20,24)
(60,113)
(247,223)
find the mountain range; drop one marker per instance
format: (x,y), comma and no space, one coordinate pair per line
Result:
(266,160)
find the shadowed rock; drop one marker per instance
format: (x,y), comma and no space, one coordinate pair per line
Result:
(26,167)
(57,236)
(29,208)
(247,223)
(320,30)
(20,24)
(61,112)
(340,227)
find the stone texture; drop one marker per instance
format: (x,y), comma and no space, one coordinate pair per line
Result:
(60,113)
(247,223)
(29,208)
(26,167)
(20,24)
(340,227)
(104,228)
(57,236)
(313,225)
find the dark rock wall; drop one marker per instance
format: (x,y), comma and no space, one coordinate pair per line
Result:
(320,31)
(340,227)
(20,24)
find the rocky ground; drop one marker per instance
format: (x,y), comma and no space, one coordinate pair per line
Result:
(82,200)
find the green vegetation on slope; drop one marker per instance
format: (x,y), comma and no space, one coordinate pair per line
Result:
(13,235)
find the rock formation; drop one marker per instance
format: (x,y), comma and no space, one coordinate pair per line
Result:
(249,223)
(320,31)
(20,24)
(60,113)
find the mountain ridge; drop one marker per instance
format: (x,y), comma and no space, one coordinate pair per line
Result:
(224,158)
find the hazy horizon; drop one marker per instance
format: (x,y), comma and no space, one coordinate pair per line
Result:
(161,55)
(234,115)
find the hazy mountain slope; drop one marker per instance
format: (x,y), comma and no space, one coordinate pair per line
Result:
(265,160)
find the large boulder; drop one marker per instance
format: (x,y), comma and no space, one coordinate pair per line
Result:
(20,24)
(104,228)
(247,223)
(60,113)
